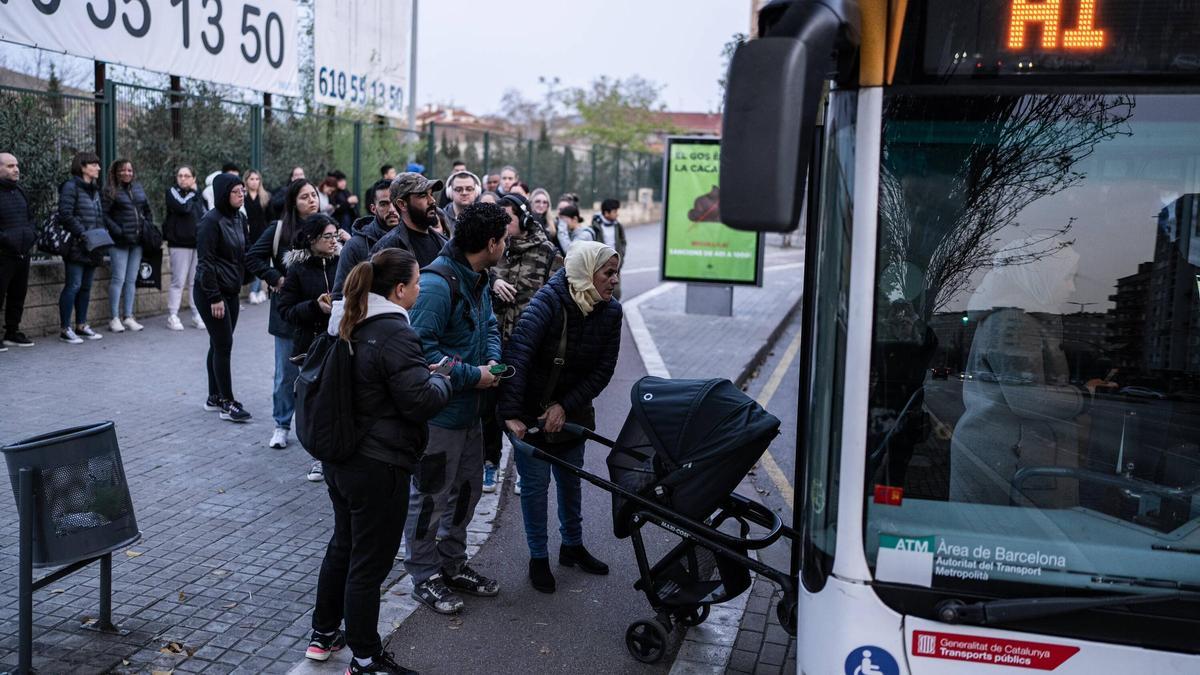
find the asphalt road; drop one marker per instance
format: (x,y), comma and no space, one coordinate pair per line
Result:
(581,628)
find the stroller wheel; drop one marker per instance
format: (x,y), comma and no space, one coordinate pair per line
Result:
(785,611)
(695,617)
(646,640)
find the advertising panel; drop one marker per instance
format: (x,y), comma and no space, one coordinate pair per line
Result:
(244,43)
(697,247)
(360,54)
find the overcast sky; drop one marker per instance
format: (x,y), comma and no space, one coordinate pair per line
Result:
(470,51)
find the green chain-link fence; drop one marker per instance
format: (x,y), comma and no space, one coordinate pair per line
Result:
(594,173)
(158,130)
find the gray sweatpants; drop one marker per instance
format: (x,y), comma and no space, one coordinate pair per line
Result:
(446,488)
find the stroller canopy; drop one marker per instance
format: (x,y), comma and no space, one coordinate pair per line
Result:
(688,443)
(689,420)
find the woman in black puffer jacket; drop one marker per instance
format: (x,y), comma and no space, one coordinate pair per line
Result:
(126,212)
(581,296)
(394,396)
(312,262)
(79,210)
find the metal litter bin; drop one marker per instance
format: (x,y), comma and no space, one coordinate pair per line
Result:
(74,508)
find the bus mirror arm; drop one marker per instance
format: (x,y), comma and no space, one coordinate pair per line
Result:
(770,119)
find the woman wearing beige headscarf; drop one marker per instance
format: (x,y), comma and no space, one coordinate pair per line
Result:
(563,352)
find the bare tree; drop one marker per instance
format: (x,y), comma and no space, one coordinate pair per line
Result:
(1005,153)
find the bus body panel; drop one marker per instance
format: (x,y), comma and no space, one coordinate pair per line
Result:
(841,621)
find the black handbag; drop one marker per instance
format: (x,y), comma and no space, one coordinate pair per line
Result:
(52,237)
(151,237)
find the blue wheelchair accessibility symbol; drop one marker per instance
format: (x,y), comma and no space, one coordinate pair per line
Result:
(871,660)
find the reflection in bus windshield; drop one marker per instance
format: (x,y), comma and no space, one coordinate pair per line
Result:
(1037,326)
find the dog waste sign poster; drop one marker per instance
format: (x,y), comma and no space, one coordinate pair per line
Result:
(697,247)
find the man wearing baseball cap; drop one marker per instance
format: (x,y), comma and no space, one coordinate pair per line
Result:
(412,196)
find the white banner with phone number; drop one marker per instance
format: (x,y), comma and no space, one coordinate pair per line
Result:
(245,43)
(360,54)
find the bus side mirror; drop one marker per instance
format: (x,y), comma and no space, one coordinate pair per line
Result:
(764,143)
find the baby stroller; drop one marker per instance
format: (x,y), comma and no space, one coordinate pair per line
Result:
(684,447)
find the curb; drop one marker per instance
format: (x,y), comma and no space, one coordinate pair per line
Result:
(706,648)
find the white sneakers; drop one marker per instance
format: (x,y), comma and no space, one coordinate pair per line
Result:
(173,322)
(197,322)
(258,298)
(118,326)
(279,439)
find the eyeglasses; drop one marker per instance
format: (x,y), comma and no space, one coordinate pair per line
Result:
(237,191)
(463,189)
(328,236)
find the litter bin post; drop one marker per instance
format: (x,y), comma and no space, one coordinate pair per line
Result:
(25,571)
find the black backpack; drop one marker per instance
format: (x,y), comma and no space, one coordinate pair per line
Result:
(325,400)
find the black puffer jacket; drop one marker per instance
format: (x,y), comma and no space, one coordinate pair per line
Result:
(308,276)
(394,392)
(365,233)
(593,342)
(221,245)
(184,211)
(16,220)
(79,210)
(126,212)
(265,261)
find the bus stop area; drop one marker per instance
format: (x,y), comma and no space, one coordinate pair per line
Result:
(223,577)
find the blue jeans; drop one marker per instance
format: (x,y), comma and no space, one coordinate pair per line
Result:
(76,293)
(124,264)
(535,486)
(283,400)
(256,285)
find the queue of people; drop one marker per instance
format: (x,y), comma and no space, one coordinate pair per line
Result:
(516,303)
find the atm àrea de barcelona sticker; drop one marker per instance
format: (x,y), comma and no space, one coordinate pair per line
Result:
(990,650)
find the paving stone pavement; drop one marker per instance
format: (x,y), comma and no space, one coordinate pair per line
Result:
(232,533)
(763,647)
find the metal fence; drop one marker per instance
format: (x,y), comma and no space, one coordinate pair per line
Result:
(593,172)
(159,130)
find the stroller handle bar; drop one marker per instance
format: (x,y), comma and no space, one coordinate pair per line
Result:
(572,429)
(738,505)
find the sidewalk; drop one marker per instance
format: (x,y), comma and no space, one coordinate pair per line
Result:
(742,635)
(233,535)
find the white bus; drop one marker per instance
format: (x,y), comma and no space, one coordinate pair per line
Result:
(999,429)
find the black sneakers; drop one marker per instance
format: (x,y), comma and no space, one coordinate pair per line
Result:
(381,663)
(213,404)
(321,647)
(16,339)
(234,412)
(433,593)
(469,581)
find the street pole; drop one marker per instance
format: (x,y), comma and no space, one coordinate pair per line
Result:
(412,78)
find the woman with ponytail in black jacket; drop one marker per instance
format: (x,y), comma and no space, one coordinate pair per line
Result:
(394,395)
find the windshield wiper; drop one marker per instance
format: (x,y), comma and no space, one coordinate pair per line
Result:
(992,612)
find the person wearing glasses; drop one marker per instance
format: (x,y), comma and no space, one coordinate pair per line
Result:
(412,196)
(306,298)
(367,231)
(464,190)
(221,251)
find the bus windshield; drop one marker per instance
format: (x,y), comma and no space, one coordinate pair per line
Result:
(1034,406)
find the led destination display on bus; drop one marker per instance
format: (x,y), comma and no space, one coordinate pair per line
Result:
(1062,36)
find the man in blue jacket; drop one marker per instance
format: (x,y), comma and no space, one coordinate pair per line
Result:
(453,317)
